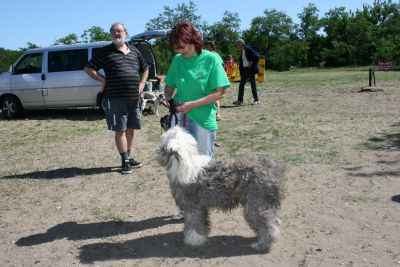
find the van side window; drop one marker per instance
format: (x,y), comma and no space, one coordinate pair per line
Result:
(95,50)
(67,60)
(30,63)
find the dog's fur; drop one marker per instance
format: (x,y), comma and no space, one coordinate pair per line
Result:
(199,183)
(150,100)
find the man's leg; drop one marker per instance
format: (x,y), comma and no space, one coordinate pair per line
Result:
(241,88)
(122,146)
(133,123)
(253,84)
(129,133)
(121,141)
(129,141)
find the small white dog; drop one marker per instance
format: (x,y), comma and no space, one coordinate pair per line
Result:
(150,100)
(199,183)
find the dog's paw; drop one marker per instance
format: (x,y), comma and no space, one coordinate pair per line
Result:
(192,238)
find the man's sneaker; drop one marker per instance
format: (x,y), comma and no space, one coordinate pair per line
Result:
(126,167)
(134,164)
(238,103)
(178,216)
(255,103)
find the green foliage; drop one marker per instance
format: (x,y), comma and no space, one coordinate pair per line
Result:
(225,33)
(7,58)
(171,16)
(71,38)
(167,20)
(95,34)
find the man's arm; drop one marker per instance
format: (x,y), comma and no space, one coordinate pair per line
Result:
(143,80)
(96,76)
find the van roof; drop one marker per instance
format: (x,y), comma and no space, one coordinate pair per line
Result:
(150,34)
(62,47)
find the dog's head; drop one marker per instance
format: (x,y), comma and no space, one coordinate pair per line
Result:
(165,122)
(175,142)
(179,154)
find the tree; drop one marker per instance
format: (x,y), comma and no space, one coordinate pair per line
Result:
(225,33)
(171,16)
(386,16)
(7,58)
(268,34)
(309,22)
(95,34)
(337,49)
(309,27)
(71,38)
(360,32)
(167,20)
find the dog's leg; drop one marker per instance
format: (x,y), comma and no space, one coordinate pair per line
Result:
(143,102)
(156,104)
(265,225)
(196,227)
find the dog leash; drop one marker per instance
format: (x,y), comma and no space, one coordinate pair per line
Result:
(173,112)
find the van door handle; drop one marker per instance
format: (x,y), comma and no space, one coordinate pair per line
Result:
(43,77)
(45,92)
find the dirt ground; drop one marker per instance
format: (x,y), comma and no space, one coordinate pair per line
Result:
(64,203)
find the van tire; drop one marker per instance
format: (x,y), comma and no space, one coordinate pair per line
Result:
(11,107)
(99,101)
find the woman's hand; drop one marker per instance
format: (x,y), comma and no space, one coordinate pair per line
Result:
(184,106)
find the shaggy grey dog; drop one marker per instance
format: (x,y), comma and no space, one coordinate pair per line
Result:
(199,183)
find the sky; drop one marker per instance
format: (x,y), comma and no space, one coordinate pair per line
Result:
(43,22)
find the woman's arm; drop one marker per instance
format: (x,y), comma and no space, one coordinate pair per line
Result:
(168,92)
(217,94)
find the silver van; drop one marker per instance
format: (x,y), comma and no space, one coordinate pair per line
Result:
(53,77)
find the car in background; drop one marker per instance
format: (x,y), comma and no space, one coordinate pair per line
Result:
(53,77)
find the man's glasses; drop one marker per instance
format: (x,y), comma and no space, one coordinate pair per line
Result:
(117,31)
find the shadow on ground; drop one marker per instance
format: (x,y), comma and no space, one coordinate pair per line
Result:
(384,141)
(76,231)
(169,245)
(75,114)
(396,198)
(357,171)
(62,173)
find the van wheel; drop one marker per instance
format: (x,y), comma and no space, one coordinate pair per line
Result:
(11,108)
(99,101)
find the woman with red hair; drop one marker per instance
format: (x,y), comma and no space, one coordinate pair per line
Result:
(196,79)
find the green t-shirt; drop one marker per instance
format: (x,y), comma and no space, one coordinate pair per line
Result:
(195,78)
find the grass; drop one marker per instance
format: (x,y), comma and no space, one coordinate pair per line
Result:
(299,110)
(60,167)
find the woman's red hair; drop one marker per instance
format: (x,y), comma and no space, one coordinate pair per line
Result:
(184,32)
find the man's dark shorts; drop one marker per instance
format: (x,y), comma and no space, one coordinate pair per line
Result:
(122,113)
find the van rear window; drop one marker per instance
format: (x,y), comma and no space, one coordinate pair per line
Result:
(67,60)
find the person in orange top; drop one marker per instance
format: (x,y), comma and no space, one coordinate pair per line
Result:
(229,63)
